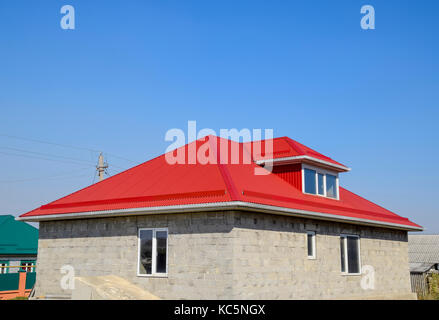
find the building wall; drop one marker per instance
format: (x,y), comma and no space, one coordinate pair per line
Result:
(270,259)
(199,247)
(225,255)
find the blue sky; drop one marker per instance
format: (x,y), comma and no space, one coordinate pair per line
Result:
(131,70)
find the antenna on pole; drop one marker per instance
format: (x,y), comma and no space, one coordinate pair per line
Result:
(101,167)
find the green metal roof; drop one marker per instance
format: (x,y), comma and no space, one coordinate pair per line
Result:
(17,237)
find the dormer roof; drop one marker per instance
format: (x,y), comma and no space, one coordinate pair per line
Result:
(287,151)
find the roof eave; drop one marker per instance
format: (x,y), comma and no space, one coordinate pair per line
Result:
(297,159)
(232,205)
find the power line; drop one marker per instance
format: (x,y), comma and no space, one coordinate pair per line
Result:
(118,157)
(55,160)
(47,142)
(60,175)
(45,154)
(51,157)
(94,177)
(64,145)
(40,158)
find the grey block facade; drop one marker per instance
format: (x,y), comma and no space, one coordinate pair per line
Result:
(226,255)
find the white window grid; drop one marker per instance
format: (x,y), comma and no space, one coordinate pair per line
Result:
(324,173)
(345,246)
(154,252)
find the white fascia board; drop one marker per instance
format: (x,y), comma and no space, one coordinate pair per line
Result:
(299,158)
(232,205)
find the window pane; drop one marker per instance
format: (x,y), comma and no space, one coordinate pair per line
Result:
(353,258)
(320,188)
(310,246)
(310,181)
(331,186)
(161,238)
(342,254)
(25,266)
(145,264)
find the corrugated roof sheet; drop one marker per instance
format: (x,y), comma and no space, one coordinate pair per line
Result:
(17,237)
(285,147)
(424,248)
(157,183)
(420,267)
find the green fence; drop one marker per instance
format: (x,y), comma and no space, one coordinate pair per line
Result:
(9,281)
(30,279)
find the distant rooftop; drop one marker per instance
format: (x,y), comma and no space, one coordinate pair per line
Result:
(17,237)
(423,251)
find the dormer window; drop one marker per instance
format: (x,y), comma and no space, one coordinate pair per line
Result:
(331,186)
(320,182)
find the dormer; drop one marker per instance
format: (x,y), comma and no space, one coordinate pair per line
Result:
(318,181)
(307,170)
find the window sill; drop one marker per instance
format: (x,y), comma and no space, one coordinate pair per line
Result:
(350,274)
(312,258)
(164,275)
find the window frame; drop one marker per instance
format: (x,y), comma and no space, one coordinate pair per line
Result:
(324,173)
(318,174)
(345,247)
(6,264)
(25,267)
(154,253)
(313,243)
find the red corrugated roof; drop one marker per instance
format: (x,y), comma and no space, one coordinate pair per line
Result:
(285,147)
(156,183)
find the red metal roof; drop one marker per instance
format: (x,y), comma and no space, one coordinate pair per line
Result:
(156,183)
(285,147)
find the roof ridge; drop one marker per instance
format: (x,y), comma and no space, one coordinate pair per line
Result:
(297,148)
(225,173)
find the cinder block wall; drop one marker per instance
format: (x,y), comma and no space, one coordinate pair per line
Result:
(199,248)
(225,255)
(270,259)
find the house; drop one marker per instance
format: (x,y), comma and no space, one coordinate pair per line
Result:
(18,252)
(227,229)
(423,259)
(18,245)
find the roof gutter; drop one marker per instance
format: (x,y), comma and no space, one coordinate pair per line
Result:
(294,159)
(232,205)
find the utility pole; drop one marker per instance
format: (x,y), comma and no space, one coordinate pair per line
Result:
(101,167)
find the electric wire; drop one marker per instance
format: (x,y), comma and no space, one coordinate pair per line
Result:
(55,158)
(60,175)
(64,145)
(45,154)
(40,158)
